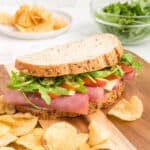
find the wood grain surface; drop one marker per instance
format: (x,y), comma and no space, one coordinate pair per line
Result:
(138,132)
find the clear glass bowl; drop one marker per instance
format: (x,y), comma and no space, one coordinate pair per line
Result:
(130,30)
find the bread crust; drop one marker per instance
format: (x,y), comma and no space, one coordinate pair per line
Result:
(91,64)
(110,98)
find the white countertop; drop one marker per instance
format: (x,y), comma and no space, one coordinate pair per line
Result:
(83,25)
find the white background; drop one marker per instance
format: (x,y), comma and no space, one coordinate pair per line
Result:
(83,26)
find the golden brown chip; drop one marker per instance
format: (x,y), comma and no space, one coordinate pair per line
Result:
(108,144)
(7,148)
(62,132)
(128,110)
(22,17)
(60,22)
(84,146)
(6,18)
(81,140)
(97,133)
(32,140)
(7,139)
(20,123)
(4,129)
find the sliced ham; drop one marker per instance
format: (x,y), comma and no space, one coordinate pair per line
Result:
(14,97)
(130,75)
(96,94)
(77,103)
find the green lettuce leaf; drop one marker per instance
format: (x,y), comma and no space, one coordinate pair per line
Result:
(129,59)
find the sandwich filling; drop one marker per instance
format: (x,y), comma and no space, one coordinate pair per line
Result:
(80,88)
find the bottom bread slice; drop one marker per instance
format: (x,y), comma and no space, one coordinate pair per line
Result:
(110,98)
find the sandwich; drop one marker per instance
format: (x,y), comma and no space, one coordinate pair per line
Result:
(73,79)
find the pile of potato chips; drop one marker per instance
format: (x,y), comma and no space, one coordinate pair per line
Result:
(21,131)
(35,19)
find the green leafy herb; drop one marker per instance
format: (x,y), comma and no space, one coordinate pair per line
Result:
(128,58)
(124,14)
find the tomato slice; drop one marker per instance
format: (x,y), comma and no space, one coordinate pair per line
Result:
(69,85)
(126,68)
(53,96)
(112,77)
(101,82)
(89,82)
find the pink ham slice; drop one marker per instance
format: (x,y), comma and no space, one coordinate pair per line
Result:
(130,75)
(96,94)
(77,103)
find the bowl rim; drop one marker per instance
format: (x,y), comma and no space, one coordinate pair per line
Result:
(98,20)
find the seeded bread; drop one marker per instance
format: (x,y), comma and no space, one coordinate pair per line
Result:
(93,53)
(110,98)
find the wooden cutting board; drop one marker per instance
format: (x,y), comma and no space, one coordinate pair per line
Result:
(137,132)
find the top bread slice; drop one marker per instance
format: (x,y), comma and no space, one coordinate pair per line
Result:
(93,53)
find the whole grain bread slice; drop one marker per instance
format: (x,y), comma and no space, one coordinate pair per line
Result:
(93,53)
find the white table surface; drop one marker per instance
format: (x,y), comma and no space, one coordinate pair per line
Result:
(83,26)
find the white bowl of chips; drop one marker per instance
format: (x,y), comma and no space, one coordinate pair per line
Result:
(38,25)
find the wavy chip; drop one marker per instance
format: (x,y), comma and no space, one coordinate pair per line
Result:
(97,133)
(81,141)
(7,148)
(108,144)
(66,136)
(20,123)
(33,140)
(6,18)
(7,139)
(4,129)
(128,110)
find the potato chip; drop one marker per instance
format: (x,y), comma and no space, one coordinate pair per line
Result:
(60,22)
(23,125)
(17,147)
(20,123)
(108,144)
(84,146)
(6,148)
(4,129)
(97,133)
(7,119)
(128,110)
(6,18)
(22,17)
(33,140)
(7,139)
(81,140)
(62,132)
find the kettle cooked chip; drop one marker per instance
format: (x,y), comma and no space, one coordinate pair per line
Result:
(63,136)
(128,110)
(98,133)
(20,123)
(32,140)
(6,148)
(4,129)
(108,144)
(7,139)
